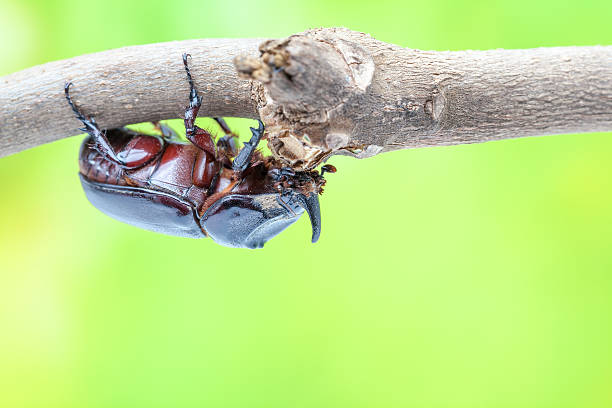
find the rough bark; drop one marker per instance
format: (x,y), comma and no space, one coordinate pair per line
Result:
(326,91)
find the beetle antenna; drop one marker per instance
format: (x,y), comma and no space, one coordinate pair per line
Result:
(328,168)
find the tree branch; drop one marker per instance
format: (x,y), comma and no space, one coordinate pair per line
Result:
(326,91)
(120,87)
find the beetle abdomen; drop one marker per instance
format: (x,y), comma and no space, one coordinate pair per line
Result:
(143,208)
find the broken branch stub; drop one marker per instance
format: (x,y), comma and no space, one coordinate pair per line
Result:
(336,91)
(307,85)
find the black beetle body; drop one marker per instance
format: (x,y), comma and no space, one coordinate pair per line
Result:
(195,189)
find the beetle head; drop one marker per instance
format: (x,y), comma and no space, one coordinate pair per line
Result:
(249,219)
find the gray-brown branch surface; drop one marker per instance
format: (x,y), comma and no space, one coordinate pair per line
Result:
(322,92)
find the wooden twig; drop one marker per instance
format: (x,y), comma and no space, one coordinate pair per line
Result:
(322,92)
(122,86)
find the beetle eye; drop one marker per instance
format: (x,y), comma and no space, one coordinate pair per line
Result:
(248,221)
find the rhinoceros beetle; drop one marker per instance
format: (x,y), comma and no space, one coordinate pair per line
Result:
(195,189)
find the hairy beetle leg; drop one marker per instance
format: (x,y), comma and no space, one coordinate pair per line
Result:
(196,135)
(91,127)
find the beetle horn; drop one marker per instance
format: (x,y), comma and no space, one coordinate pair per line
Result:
(311,205)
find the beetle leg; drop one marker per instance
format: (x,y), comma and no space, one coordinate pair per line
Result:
(227,146)
(167,132)
(281,175)
(284,204)
(196,135)
(242,161)
(91,127)
(213,183)
(224,127)
(228,143)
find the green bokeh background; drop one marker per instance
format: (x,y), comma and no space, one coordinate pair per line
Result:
(465,276)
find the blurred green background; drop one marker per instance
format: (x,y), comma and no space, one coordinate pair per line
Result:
(466,276)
